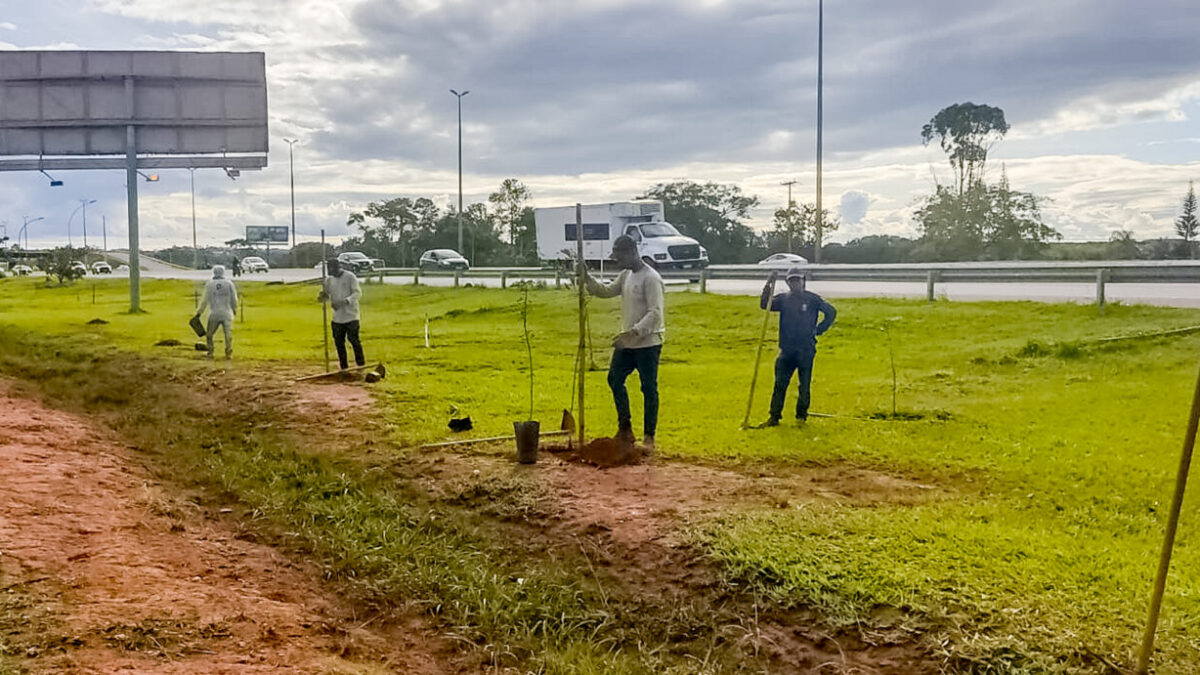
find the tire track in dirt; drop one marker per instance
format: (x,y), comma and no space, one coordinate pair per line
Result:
(134,579)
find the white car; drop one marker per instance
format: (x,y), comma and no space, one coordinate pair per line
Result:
(22,270)
(253,263)
(78,269)
(443,259)
(783,261)
(101,267)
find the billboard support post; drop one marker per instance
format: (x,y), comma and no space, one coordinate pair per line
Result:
(131,191)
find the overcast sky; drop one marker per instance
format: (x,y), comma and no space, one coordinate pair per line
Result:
(597,100)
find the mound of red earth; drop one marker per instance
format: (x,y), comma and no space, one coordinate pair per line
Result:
(602,452)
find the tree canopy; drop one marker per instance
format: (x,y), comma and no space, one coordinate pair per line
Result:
(966,132)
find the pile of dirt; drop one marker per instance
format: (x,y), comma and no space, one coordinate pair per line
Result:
(602,452)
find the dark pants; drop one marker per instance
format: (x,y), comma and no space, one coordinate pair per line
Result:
(802,363)
(343,332)
(624,362)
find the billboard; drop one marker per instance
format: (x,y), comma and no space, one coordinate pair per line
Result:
(80,103)
(267,234)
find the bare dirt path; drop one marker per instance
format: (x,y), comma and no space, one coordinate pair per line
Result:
(132,579)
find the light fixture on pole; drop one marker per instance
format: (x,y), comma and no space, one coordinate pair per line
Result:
(292,182)
(82,204)
(460,204)
(53,182)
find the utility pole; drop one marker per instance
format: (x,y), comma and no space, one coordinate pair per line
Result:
(292,180)
(791,223)
(820,72)
(460,204)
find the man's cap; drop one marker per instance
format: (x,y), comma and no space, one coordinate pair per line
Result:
(218,271)
(796,273)
(624,242)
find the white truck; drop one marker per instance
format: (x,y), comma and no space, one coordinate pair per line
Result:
(660,244)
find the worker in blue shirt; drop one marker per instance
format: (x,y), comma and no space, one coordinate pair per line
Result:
(798,330)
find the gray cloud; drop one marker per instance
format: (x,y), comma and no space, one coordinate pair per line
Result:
(854,206)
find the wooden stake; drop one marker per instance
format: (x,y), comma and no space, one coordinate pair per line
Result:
(758,355)
(1164,563)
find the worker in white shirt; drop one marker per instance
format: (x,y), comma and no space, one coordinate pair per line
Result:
(342,291)
(639,344)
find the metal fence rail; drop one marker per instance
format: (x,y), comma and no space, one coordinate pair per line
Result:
(932,274)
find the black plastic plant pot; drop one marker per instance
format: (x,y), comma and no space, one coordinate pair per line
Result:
(527,441)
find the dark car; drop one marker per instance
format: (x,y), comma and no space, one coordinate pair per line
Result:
(356,262)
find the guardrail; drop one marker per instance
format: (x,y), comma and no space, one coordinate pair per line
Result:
(931,274)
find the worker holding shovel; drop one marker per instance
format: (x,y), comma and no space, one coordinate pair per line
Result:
(342,291)
(220,299)
(798,330)
(639,344)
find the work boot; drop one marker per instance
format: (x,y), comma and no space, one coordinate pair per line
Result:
(648,443)
(772,422)
(625,435)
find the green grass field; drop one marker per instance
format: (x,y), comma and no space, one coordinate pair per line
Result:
(1055,454)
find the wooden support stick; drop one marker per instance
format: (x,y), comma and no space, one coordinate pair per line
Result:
(335,373)
(491,439)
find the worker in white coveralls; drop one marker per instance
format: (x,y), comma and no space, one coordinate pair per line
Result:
(639,344)
(342,291)
(220,298)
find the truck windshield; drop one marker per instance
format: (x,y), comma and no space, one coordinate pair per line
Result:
(651,230)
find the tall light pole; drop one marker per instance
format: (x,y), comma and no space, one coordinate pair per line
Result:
(820,73)
(460,205)
(25,229)
(82,204)
(195,247)
(292,181)
(85,203)
(104,228)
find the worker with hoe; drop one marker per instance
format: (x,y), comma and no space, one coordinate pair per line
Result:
(220,298)
(798,332)
(639,344)
(342,291)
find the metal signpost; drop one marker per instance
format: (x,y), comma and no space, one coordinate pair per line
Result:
(132,110)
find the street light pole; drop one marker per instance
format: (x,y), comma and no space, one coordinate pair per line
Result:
(85,203)
(820,73)
(82,203)
(25,229)
(292,181)
(104,228)
(460,194)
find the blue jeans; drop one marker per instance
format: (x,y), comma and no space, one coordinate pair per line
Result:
(645,361)
(800,362)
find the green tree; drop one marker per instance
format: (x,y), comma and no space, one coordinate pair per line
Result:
(1186,224)
(1012,227)
(797,225)
(59,265)
(713,215)
(1122,246)
(951,224)
(515,220)
(966,132)
(389,227)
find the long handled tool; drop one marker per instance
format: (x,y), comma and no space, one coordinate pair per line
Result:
(324,304)
(758,354)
